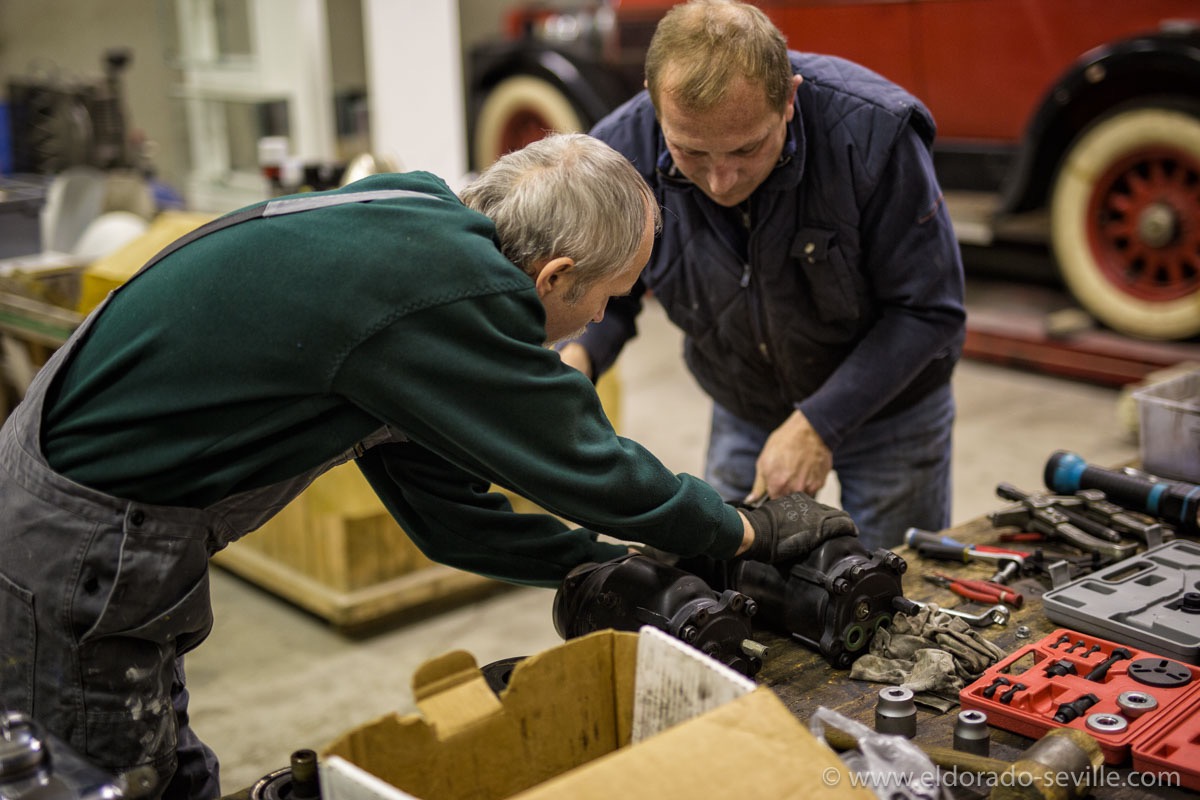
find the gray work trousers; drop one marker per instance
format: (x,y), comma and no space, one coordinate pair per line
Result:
(100,597)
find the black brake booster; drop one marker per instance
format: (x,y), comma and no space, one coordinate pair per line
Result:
(832,601)
(635,590)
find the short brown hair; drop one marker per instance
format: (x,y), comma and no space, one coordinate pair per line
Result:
(704,45)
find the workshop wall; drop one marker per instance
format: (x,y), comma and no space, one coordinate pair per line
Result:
(68,38)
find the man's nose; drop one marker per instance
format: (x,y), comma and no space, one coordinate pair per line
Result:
(722,176)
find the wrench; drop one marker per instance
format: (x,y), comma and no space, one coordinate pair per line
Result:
(996,615)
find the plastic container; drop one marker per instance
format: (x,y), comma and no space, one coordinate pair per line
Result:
(1169,415)
(21,201)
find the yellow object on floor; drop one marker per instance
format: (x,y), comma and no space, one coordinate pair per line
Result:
(112,270)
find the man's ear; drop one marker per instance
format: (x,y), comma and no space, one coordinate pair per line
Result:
(554,275)
(790,109)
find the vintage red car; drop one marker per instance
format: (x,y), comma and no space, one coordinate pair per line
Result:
(1070,122)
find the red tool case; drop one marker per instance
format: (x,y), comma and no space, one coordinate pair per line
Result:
(1164,739)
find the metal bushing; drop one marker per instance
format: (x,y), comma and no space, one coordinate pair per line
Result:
(895,712)
(972,734)
(1106,723)
(1134,704)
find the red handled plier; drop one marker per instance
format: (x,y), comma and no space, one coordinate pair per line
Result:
(983,591)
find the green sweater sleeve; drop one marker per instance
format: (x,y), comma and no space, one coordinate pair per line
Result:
(469,381)
(453,518)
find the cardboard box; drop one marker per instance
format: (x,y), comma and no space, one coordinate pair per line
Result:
(609,715)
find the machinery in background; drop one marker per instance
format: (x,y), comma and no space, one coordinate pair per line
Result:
(58,124)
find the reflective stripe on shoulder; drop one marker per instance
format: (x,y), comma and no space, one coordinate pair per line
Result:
(292,205)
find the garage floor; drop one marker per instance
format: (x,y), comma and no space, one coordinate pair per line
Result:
(272,679)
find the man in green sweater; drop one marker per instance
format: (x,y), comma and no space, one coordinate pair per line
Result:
(386,322)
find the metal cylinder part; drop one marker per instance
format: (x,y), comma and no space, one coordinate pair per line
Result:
(1133,704)
(895,712)
(305,781)
(1106,723)
(972,734)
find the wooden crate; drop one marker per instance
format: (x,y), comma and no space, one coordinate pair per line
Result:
(335,551)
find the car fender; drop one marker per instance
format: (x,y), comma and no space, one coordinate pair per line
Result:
(1163,65)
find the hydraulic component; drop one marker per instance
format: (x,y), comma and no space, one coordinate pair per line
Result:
(635,590)
(833,601)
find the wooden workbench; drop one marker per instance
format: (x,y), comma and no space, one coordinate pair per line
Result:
(804,680)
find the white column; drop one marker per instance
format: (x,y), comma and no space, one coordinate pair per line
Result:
(414,78)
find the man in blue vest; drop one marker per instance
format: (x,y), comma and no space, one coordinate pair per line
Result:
(808,257)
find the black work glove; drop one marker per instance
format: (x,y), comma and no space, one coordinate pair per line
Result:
(789,528)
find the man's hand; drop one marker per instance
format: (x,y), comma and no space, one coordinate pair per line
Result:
(791,527)
(794,459)
(574,355)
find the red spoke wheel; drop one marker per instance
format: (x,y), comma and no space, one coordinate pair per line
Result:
(1125,222)
(519,110)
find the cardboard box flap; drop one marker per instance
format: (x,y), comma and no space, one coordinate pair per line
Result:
(452,694)
(455,754)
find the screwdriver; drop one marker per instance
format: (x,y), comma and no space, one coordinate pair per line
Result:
(945,548)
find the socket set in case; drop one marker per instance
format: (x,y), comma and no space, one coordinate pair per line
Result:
(1140,706)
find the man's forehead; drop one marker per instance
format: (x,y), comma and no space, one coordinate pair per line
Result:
(714,132)
(740,118)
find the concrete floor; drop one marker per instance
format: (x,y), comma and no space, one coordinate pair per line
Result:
(272,679)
